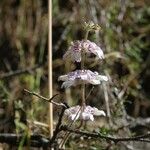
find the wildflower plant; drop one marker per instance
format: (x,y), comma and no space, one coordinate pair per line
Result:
(78,52)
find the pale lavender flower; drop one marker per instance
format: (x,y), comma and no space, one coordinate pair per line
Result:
(74,51)
(84,113)
(81,76)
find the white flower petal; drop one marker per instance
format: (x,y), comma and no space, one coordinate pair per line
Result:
(67,84)
(88,113)
(74,51)
(95,82)
(91,118)
(82,76)
(87,116)
(97,112)
(63,78)
(99,53)
(102,78)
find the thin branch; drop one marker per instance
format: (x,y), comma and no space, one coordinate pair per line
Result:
(141,138)
(41,141)
(67,134)
(106,99)
(57,129)
(37,123)
(91,90)
(50,100)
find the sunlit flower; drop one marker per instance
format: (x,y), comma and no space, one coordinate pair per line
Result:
(86,113)
(74,51)
(81,76)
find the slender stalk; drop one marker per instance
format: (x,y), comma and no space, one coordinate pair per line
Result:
(83,95)
(83,54)
(50,65)
(82,68)
(107,102)
(87,34)
(83,85)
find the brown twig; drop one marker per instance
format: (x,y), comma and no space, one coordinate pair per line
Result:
(50,100)
(57,129)
(141,138)
(41,141)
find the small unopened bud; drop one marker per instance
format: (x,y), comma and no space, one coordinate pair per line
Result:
(91,26)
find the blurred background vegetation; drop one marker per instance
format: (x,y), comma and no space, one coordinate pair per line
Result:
(124,38)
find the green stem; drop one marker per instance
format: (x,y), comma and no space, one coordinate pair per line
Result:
(87,34)
(83,94)
(83,54)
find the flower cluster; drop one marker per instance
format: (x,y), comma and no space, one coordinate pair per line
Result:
(74,51)
(81,76)
(87,113)
(77,51)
